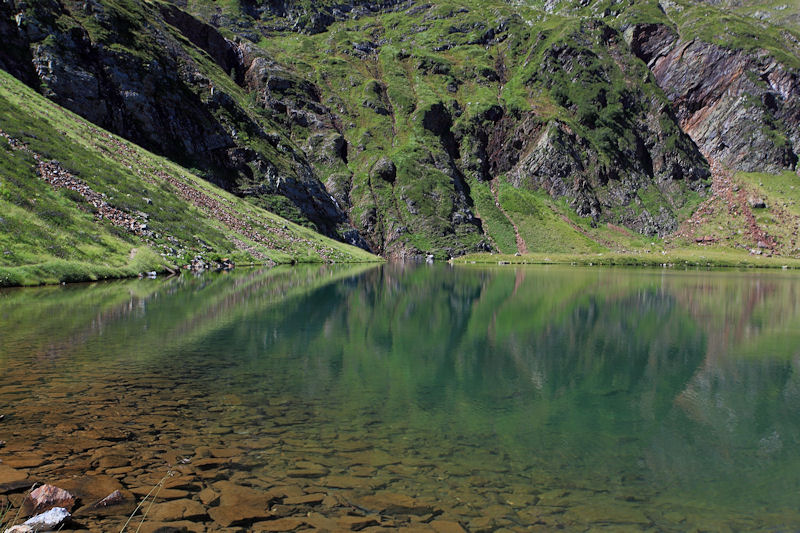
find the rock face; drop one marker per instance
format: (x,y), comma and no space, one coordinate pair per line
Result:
(295,17)
(624,142)
(740,107)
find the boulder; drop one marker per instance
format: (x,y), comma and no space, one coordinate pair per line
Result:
(49,520)
(45,498)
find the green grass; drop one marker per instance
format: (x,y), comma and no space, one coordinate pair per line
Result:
(780,219)
(49,236)
(540,225)
(495,223)
(677,258)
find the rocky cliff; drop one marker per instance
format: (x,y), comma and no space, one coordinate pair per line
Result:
(740,107)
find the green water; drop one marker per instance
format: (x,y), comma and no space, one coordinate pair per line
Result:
(537,396)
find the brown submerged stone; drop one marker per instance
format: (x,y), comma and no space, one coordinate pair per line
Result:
(113,461)
(285,491)
(11,475)
(24,460)
(162,494)
(281,524)
(91,490)
(232,494)
(233,515)
(321,522)
(307,499)
(447,526)
(208,496)
(392,503)
(357,523)
(348,482)
(177,510)
(180,526)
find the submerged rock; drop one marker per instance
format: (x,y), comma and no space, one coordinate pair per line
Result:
(178,510)
(11,475)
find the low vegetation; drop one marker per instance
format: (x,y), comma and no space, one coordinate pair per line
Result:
(50,235)
(677,258)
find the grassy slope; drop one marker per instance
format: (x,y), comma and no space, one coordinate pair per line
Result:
(780,219)
(49,235)
(415,76)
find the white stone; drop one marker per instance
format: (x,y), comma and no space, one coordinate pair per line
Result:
(49,520)
(20,529)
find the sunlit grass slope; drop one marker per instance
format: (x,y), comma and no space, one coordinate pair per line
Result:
(50,234)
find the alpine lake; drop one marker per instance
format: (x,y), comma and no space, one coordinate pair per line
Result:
(409,398)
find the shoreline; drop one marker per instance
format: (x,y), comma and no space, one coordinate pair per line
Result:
(70,272)
(673,259)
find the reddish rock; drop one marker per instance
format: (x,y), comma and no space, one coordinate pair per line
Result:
(45,498)
(115,498)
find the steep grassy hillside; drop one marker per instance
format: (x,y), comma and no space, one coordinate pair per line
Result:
(443,106)
(437,128)
(78,203)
